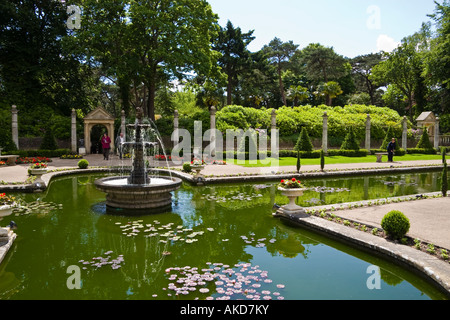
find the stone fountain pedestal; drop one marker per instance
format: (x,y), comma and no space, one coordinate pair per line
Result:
(154,196)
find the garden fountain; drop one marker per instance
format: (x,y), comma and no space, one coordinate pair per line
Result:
(139,191)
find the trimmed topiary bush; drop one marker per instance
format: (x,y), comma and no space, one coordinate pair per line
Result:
(424,142)
(48,142)
(395,224)
(187,167)
(83,164)
(322,160)
(304,142)
(350,142)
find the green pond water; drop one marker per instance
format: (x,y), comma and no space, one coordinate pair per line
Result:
(219,242)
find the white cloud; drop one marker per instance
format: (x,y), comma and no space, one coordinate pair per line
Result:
(386,43)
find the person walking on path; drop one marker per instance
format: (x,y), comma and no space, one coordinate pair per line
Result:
(120,142)
(106,145)
(391,150)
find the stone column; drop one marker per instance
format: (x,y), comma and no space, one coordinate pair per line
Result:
(15,126)
(213,131)
(176,136)
(368,127)
(123,125)
(325,133)
(74,132)
(436,134)
(405,133)
(274,135)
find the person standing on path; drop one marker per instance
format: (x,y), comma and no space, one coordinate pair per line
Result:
(391,150)
(120,142)
(106,145)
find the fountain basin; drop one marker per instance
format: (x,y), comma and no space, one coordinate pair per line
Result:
(154,196)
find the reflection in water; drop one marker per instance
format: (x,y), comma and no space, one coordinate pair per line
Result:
(229,225)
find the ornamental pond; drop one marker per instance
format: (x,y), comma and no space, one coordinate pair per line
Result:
(219,242)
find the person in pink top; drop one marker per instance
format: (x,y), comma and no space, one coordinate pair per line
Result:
(106,145)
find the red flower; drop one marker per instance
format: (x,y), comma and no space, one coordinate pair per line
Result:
(293,179)
(282,181)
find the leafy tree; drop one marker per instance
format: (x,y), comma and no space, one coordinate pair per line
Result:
(361,71)
(35,68)
(147,43)
(321,64)
(304,142)
(329,90)
(297,94)
(402,69)
(438,62)
(232,44)
(279,53)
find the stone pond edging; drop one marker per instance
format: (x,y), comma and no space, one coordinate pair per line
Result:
(433,268)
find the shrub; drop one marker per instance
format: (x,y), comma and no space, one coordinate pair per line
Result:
(304,142)
(83,164)
(389,135)
(395,224)
(322,160)
(444,180)
(350,142)
(48,142)
(299,164)
(187,167)
(424,142)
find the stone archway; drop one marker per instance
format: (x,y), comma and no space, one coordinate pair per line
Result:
(98,116)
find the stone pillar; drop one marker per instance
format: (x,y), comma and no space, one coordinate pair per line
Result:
(368,127)
(15,126)
(74,131)
(273,121)
(123,125)
(176,136)
(436,134)
(405,133)
(213,131)
(274,135)
(325,133)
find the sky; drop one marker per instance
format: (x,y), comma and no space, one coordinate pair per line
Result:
(351,27)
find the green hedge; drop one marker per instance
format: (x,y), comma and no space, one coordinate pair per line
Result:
(421,151)
(41,153)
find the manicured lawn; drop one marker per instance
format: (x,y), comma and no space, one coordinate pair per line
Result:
(340,159)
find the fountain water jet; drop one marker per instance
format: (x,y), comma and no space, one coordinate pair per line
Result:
(139,191)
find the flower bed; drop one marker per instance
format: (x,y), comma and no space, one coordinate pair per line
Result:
(71,156)
(25,160)
(2,163)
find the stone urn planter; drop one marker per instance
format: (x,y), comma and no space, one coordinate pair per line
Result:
(6,210)
(197,168)
(292,194)
(38,172)
(38,184)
